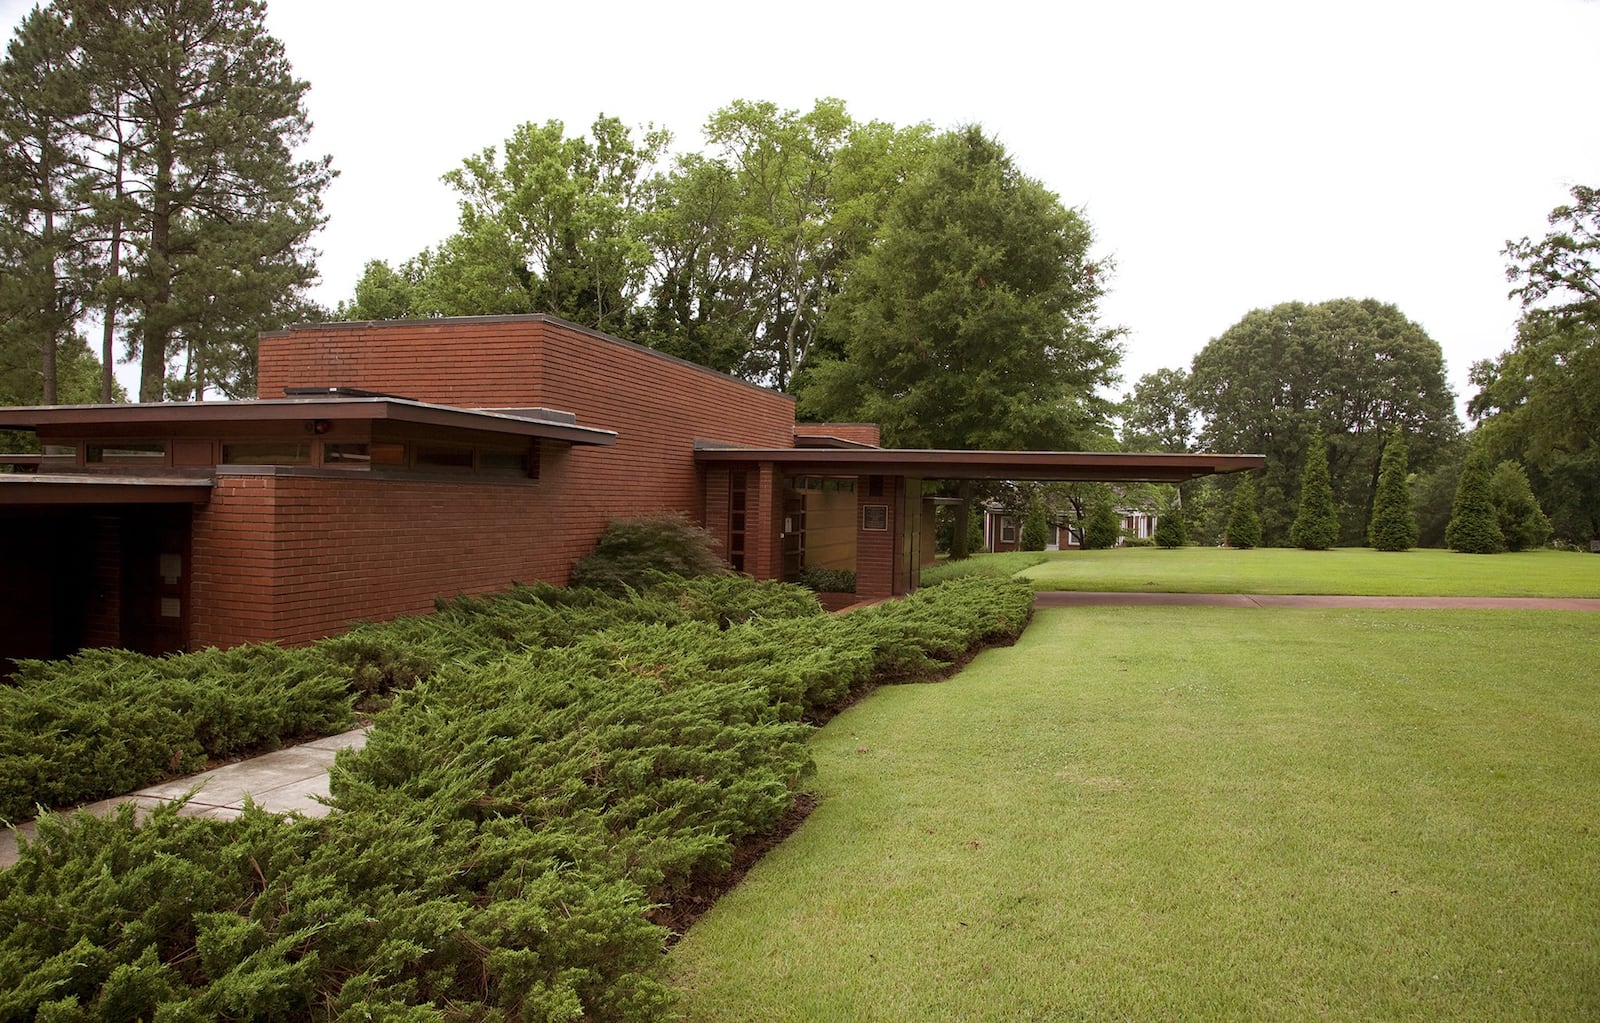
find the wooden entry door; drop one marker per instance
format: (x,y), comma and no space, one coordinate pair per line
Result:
(155,579)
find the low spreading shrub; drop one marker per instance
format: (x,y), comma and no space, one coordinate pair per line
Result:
(103,722)
(504,836)
(828,580)
(632,552)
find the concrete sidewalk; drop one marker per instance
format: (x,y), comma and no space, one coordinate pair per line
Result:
(1074,598)
(291,779)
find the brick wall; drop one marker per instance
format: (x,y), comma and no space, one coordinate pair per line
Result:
(295,557)
(471,362)
(103,622)
(659,408)
(861,433)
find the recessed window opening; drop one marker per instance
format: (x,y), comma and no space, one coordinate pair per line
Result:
(128,453)
(266,453)
(446,457)
(503,461)
(347,456)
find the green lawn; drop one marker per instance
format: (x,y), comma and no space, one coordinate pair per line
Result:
(1356,570)
(1194,813)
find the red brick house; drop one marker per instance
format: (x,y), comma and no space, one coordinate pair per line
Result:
(391,463)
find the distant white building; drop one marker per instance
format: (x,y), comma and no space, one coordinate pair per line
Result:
(1002,529)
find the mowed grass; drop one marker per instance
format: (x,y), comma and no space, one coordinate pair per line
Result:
(1347,570)
(1194,814)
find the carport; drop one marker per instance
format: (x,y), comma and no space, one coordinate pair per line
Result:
(762,503)
(96,560)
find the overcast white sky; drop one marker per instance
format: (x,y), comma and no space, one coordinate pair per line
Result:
(1229,155)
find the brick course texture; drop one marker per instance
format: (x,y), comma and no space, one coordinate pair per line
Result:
(860,433)
(293,557)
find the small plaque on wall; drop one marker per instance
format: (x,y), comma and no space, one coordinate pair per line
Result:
(875,516)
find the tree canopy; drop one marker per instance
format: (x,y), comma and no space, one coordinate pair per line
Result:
(728,258)
(147,169)
(1353,368)
(1539,402)
(1157,415)
(971,322)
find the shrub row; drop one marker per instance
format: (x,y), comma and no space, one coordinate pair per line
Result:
(503,836)
(104,722)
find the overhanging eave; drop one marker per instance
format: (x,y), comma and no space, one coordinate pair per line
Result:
(1074,466)
(95,488)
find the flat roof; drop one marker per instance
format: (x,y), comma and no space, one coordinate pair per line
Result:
(1078,466)
(555,426)
(26,488)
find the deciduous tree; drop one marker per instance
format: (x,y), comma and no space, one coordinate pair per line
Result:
(752,241)
(1539,402)
(972,321)
(1157,414)
(1354,368)
(557,217)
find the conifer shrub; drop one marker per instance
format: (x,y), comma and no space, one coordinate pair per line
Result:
(1316,523)
(1394,520)
(505,837)
(1244,524)
(632,553)
(1172,528)
(1522,522)
(976,541)
(828,580)
(1103,528)
(1035,527)
(1474,526)
(104,722)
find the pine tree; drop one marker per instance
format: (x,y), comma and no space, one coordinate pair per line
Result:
(1474,527)
(44,219)
(1244,525)
(1316,525)
(1522,522)
(1394,522)
(147,161)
